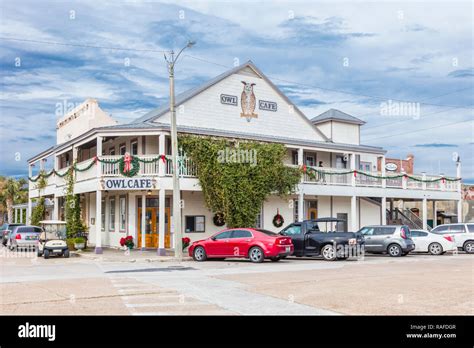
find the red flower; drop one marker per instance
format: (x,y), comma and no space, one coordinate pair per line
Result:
(122,241)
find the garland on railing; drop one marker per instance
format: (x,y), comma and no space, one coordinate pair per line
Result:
(121,160)
(313,171)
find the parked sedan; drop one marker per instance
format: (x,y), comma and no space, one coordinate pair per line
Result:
(5,231)
(432,243)
(252,243)
(24,237)
(394,240)
(463,235)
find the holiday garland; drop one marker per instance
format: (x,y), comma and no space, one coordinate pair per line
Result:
(135,162)
(312,172)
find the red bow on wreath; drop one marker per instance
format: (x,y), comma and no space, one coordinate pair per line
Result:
(127,159)
(163,158)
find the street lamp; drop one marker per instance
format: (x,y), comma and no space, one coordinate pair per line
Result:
(171,60)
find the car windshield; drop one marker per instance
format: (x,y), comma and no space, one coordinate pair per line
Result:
(54,231)
(267,232)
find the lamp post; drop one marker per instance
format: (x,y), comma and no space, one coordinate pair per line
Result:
(171,60)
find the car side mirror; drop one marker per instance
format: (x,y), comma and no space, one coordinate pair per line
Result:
(213,238)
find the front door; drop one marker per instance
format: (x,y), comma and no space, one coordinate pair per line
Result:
(152,223)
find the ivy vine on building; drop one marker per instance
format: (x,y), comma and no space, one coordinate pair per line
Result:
(236,177)
(72,207)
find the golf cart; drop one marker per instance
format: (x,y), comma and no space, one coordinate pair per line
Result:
(52,240)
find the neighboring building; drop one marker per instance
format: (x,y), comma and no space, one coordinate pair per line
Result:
(114,206)
(394,165)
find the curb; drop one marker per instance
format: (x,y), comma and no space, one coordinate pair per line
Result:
(130,258)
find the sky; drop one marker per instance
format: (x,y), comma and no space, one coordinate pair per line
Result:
(368,59)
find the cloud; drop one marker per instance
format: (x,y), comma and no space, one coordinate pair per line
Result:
(437,145)
(462,73)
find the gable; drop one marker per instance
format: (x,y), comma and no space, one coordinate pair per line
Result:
(220,107)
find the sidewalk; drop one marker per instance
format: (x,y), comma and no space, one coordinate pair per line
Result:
(117,255)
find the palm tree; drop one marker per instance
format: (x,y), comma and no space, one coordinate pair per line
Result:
(11,192)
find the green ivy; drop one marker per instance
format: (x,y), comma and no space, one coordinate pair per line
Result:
(37,213)
(238,190)
(74,223)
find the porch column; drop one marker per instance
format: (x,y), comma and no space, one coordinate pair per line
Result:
(55,208)
(354,222)
(21,215)
(143,226)
(30,202)
(384,172)
(425,214)
(384,211)
(98,222)
(161,151)
(460,217)
(353,167)
(435,215)
(300,193)
(161,225)
(16,216)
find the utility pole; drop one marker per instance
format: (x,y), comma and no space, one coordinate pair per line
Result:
(178,232)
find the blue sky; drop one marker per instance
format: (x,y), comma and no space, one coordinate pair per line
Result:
(353,56)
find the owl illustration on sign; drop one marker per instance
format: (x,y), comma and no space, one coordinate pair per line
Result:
(248,101)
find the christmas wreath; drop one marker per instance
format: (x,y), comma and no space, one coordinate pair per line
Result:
(218,219)
(129,165)
(278,220)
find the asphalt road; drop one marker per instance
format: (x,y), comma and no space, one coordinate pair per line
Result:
(415,284)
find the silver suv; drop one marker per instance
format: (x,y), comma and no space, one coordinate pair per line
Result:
(463,235)
(394,240)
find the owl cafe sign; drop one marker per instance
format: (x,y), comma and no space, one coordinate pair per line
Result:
(248,101)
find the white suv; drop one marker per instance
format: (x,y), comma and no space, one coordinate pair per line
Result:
(463,235)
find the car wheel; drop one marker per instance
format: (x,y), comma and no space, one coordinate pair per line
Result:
(66,253)
(469,247)
(328,252)
(39,253)
(435,249)
(199,254)
(275,259)
(394,250)
(46,254)
(256,255)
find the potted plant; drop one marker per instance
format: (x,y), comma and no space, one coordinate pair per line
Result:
(127,242)
(79,243)
(186,242)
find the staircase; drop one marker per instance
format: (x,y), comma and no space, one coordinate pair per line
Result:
(405,217)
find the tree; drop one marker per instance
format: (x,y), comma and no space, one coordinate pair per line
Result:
(12,192)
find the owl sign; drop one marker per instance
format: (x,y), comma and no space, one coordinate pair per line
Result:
(248,101)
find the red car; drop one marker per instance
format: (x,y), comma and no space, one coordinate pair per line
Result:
(253,243)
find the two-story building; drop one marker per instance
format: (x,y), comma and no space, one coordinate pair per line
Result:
(242,103)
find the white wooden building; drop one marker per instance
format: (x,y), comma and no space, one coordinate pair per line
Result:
(115,206)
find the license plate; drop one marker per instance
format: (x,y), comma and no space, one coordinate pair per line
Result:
(287,249)
(31,238)
(57,251)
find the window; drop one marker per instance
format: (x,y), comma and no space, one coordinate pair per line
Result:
(340,163)
(367,231)
(364,166)
(112,152)
(310,161)
(295,157)
(241,234)
(470,227)
(223,235)
(123,212)
(122,149)
(259,221)
(295,210)
(102,214)
(112,214)
(292,230)
(267,232)
(195,223)
(440,229)
(134,147)
(418,233)
(341,226)
(383,231)
(458,228)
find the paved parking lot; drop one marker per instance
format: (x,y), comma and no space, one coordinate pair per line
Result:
(416,284)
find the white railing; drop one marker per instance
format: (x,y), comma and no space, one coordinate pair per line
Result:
(326,176)
(152,168)
(109,169)
(187,170)
(364,180)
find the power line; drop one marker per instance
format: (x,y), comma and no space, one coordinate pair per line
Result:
(418,130)
(83,45)
(335,90)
